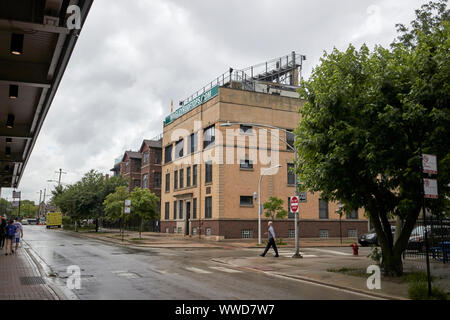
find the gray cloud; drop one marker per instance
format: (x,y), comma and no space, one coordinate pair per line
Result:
(134,57)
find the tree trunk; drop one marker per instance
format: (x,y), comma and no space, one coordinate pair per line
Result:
(391,263)
(96,225)
(140,228)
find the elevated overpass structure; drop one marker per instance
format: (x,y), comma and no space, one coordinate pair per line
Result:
(35,49)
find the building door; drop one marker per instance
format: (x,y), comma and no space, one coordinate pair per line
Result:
(188,217)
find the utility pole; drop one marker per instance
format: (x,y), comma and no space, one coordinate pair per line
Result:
(60,173)
(45,189)
(39,210)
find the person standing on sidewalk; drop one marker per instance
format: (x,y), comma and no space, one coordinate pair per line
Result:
(19,232)
(10,235)
(2,233)
(271,242)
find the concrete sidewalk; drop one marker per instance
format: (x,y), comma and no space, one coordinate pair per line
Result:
(20,278)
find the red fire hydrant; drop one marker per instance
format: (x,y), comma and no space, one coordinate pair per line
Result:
(355,248)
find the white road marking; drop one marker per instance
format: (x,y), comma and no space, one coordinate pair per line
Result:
(225,270)
(332,251)
(197,270)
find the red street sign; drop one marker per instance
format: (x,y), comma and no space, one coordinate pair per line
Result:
(294,204)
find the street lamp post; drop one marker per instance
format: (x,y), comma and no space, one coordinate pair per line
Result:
(259,199)
(340,219)
(263,126)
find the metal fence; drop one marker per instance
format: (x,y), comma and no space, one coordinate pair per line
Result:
(133,225)
(438,238)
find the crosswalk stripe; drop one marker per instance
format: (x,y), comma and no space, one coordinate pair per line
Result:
(225,270)
(197,270)
(332,251)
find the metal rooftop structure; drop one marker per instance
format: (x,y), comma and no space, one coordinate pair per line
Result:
(282,72)
(279,76)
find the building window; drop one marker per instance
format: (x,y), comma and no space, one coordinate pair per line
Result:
(157,156)
(323,209)
(208,207)
(174,229)
(188,177)
(157,180)
(179,149)
(146,157)
(168,154)
(181,178)
(352,215)
(352,233)
(166,211)
(194,208)
(194,175)
(167,229)
(246,233)
(145,181)
(291,215)
(180,213)
(127,166)
(290,139)
(209,137)
(246,129)
(180,230)
(174,210)
(290,174)
(208,231)
(175,180)
(137,183)
(194,231)
(193,143)
(208,171)
(246,201)
(167,182)
(291,233)
(323,233)
(246,164)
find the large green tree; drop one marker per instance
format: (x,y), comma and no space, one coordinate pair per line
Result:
(85,198)
(144,205)
(368,117)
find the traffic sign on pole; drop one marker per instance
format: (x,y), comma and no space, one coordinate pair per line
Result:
(429,163)
(430,188)
(294,204)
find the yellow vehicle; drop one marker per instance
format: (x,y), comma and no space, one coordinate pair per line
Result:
(54,219)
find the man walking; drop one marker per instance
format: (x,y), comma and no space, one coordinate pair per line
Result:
(19,232)
(271,242)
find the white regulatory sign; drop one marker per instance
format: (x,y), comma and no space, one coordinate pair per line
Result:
(302,197)
(127,203)
(430,188)
(127,210)
(429,163)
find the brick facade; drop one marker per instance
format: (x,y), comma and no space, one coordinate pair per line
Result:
(233,229)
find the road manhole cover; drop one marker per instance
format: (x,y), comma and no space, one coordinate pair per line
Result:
(31,281)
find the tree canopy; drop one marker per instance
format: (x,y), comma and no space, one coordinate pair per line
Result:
(368,117)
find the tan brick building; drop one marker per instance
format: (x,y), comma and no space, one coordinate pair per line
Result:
(211,172)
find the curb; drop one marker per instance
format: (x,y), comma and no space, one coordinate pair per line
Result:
(40,270)
(310,280)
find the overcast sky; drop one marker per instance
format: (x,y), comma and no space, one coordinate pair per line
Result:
(133,57)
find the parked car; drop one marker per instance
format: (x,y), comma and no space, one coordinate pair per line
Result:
(435,235)
(32,221)
(370,238)
(24,222)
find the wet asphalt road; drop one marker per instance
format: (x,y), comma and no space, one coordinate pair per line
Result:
(115,272)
